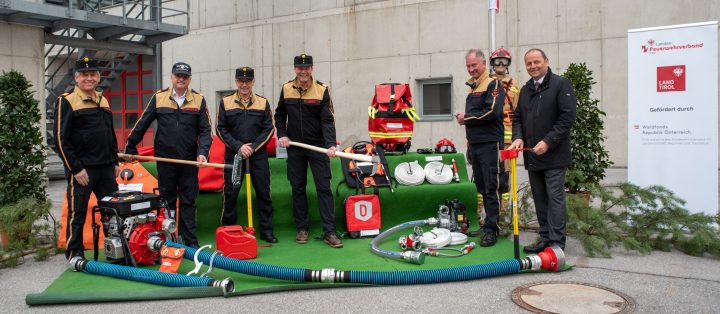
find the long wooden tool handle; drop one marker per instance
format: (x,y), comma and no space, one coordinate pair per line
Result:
(175,161)
(357,157)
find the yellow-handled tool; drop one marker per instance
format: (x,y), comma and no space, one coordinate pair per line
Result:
(512,154)
(248,192)
(513,197)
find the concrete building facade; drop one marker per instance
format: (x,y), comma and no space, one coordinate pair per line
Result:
(359,43)
(23,49)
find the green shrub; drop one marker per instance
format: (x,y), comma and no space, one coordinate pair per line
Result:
(589,156)
(22,149)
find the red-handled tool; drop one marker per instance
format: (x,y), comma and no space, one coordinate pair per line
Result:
(456,175)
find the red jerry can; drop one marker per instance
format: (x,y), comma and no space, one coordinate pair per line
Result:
(235,242)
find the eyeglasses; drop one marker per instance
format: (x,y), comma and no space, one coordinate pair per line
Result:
(244,82)
(500,62)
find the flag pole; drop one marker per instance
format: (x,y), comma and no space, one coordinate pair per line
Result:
(493,6)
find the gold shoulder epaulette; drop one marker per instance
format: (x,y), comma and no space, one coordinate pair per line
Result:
(161,90)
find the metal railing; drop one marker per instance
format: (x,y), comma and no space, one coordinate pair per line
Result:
(58,68)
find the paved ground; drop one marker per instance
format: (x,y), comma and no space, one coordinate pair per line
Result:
(659,282)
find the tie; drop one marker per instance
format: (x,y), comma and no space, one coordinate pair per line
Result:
(537,85)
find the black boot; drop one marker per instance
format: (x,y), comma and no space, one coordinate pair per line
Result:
(489,239)
(268,237)
(536,248)
(475,233)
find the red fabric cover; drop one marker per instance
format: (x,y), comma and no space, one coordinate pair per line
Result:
(362,212)
(270,147)
(211,179)
(146,151)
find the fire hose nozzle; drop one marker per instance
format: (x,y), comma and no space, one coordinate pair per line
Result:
(469,248)
(456,175)
(414,257)
(552,259)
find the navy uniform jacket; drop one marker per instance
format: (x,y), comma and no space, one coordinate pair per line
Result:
(484,110)
(183,132)
(239,124)
(306,116)
(84,134)
(546,114)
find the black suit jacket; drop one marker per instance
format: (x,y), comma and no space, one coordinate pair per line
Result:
(546,114)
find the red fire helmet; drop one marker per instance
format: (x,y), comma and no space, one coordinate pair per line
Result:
(445,146)
(500,53)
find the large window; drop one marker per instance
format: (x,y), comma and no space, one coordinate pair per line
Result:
(435,99)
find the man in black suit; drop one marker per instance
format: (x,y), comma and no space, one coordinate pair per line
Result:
(542,122)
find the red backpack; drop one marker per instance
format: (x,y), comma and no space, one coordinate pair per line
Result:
(392,117)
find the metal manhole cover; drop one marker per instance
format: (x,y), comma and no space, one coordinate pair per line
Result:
(571,297)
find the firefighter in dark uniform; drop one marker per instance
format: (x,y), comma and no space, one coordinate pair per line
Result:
(182,132)
(245,125)
(305,114)
(85,141)
(484,131)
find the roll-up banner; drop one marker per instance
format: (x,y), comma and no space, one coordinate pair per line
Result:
(673,111)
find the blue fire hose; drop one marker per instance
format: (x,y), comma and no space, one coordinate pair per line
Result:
(150,276)
(551,259)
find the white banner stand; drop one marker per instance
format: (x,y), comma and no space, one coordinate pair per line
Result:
(673,111)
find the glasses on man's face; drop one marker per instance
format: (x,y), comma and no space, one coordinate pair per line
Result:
(500,62)
(244,82)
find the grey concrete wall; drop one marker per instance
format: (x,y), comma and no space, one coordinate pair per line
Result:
(22,50)
(357,44)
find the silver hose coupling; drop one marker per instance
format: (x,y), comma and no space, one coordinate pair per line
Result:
(169,225)
(77,263)
(414,257)
(327,275)
(155,243)
(227,285)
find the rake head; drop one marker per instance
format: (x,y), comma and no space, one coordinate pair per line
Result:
(237,170)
